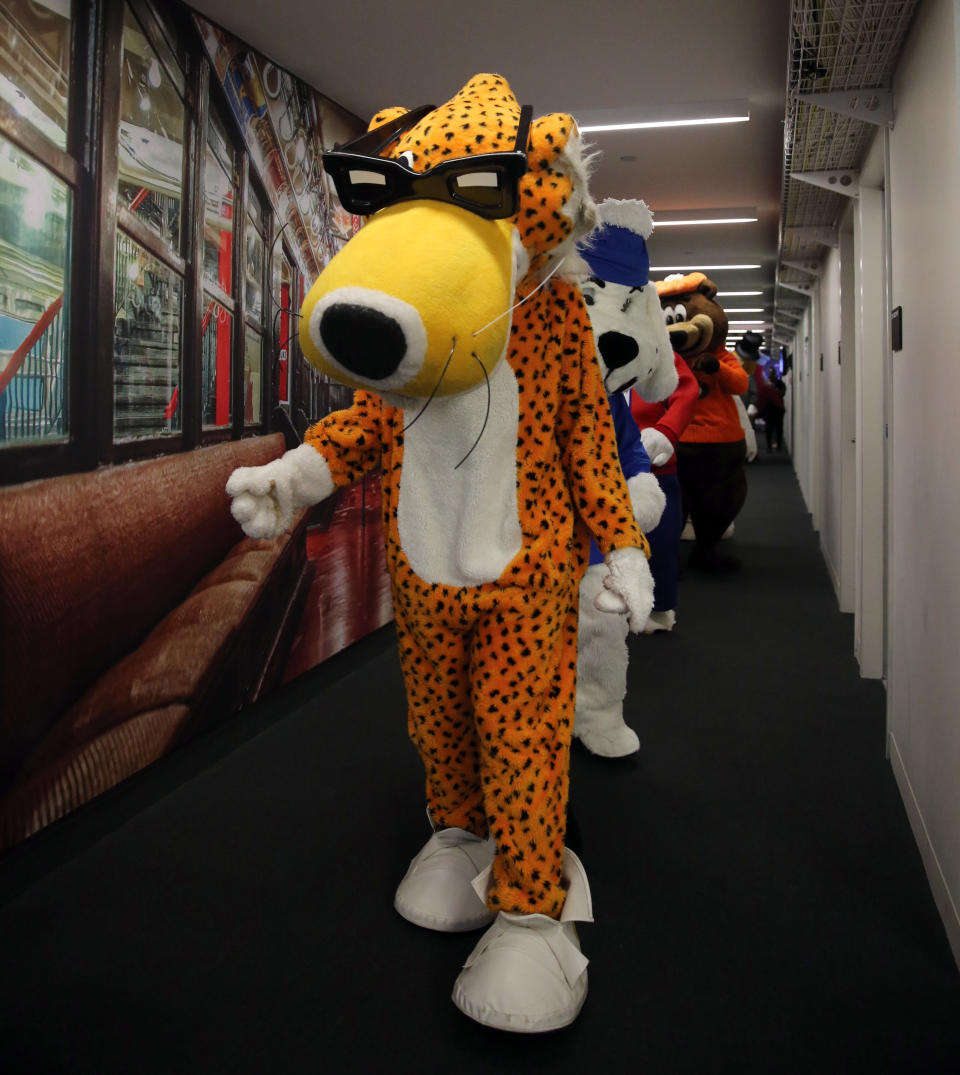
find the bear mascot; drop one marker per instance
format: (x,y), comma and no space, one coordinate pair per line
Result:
(634,352)
(479,395)
(712,450)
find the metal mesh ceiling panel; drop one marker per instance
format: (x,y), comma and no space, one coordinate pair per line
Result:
(835,45)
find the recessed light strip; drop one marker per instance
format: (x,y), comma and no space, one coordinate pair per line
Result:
(643,125)
(664,114)
(711,220)
(697,268)
(737,294)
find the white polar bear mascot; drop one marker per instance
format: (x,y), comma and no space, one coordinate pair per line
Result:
(634,351)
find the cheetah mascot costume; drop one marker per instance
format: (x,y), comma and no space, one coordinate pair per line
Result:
(479,394)
(613,271)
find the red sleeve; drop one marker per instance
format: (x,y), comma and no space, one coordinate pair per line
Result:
(681,404)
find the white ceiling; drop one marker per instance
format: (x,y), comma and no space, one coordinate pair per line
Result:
(577,57)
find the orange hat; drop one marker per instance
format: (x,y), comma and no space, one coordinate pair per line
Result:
(680,285)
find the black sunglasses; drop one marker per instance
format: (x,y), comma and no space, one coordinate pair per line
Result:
(484,183)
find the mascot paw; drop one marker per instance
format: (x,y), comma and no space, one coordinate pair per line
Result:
(259,516)
(657,445)
(648,500)
(617,742)
(631,582)
(660,621)
(262,499)
(265,498)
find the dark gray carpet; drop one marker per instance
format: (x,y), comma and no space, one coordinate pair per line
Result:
(760,903)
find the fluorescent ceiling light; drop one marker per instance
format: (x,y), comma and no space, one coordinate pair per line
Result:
(743,309)
(739,294)
(755,321)
(645,125)
(704,220)
(693,114)
(697,268)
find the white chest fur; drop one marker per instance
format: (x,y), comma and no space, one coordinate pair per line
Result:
(461,526)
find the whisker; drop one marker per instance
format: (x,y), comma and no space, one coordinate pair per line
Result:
(485,417)
(443,373)
(520,303)
(273,247)
(292,313)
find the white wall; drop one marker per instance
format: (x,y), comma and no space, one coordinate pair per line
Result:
(924,504)
(802,405)
(848,414)
(871,421)
(831,450)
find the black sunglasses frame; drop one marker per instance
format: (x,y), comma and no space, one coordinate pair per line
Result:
(401,183)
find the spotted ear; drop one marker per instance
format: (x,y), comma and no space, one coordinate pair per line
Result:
(385,115)
(556,209)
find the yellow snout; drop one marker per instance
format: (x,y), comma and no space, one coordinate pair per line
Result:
(406,307)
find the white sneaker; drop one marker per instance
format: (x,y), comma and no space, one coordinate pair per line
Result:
(527,974)
(660,621)
(437,892)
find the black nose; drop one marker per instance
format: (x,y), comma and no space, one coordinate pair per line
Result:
(616,349)
(364,341)
(682,335)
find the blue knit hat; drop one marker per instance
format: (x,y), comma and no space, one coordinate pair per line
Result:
(616,250)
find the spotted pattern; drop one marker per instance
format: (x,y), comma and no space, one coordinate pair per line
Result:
(483,118)
(490,670)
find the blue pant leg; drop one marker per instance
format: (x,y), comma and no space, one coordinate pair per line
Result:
(665,546)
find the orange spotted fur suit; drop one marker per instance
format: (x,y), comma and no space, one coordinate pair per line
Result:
(490,667)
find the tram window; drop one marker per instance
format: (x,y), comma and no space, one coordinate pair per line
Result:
(35,210)
(283,294)
(252,377)
(146,344)
(216,335)
(255,209)
(35,63)
(150,159)
(218,208)
(253,271)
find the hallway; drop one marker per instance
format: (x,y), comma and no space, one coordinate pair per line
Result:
(761,904)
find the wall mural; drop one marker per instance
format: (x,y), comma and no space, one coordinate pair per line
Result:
(159,638)
(287,126)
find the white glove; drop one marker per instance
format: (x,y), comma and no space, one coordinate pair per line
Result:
(648,500)
(265,498)
(751,440)
(749,436)
(657,445)
(628,587)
